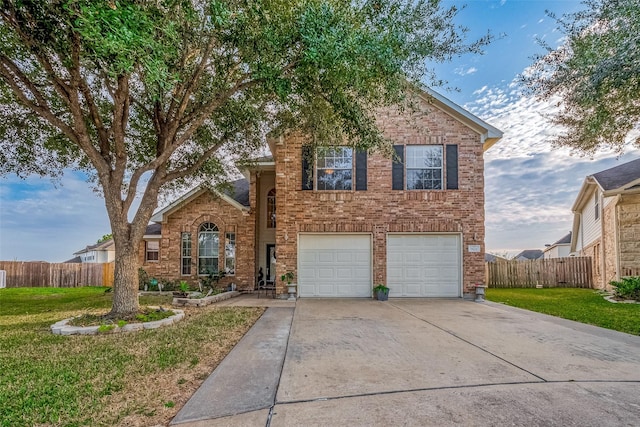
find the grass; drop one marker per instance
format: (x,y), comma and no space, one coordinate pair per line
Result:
(582,305)
(140,378)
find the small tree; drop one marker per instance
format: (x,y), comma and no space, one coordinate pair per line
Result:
(596,75)
(147,95)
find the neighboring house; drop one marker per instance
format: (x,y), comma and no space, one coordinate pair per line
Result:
(559,249)
(528,254)
(343,220)
(100,252)
(606,222)
(493,258)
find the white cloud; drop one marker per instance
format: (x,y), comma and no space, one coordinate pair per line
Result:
(461,71)
(529,184)
(41,222)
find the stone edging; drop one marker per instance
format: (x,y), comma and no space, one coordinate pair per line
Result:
(611,298)
(201,302)
(62,327)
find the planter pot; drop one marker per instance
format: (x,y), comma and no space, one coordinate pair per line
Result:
(292,290)
(382,295)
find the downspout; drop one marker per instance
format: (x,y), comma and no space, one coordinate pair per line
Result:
(603,264)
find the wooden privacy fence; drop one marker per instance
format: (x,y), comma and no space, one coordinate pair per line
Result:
(573,272)
(22,274)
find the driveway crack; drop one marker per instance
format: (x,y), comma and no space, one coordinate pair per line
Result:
(453,334)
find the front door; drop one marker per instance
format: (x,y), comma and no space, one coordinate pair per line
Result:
(271,263)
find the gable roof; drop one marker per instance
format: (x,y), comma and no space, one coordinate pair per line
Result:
(237,196)
(490,134)
(564,240)
(619,178)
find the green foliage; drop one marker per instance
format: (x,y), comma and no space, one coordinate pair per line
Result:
(105,238)
(581,305)
(381,287)
(287,277)
(184,286)
(143,278)
(96,380)
(595,74)
(627,288)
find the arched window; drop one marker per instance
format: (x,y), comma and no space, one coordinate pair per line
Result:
(208,248)
(271,209)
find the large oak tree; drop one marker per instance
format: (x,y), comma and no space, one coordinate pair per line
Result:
(596,75)
(144,95)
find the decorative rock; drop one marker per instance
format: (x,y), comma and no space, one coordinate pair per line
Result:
(201,302)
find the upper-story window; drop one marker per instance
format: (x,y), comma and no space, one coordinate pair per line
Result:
(271,209)
(334,168)
(424,167)
(208,248)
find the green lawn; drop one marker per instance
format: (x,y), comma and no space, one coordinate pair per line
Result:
(139,378)
(582,305)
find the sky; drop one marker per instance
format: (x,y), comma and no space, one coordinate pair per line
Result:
(529,185)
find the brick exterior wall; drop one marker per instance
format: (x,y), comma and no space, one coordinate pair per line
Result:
(187,219)
(609,249)
(380,210)
(629,235)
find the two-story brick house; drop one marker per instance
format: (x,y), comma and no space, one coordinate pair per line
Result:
(343,220)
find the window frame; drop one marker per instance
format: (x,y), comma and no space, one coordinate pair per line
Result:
(230,243)
(271,208)
(208,229)
(331,169)
(148,251)
(440,168)
(186,254)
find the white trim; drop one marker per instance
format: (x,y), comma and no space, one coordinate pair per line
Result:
(186,198)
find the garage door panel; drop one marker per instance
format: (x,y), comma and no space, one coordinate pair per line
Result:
(423,265)
(342,267)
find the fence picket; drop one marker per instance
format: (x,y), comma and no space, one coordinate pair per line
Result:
(22,274)
(572,272)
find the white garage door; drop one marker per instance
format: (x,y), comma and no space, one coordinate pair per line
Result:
(423,265)
(334,265)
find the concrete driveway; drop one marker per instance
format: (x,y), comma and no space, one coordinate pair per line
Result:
(418,362)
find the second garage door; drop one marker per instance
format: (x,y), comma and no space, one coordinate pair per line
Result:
(334,265)
(423,265)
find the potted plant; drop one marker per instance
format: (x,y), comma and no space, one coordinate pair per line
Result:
(291,287)
(381,292)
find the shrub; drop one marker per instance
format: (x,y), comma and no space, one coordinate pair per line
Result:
(627,288)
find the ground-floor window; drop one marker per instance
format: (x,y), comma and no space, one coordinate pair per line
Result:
(186,254)
(152,250)
(208,248)
(230,254)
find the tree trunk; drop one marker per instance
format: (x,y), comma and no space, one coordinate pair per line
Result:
(125,286)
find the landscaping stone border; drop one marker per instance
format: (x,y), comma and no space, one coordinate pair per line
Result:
(201,302)
(612,299)
(62,327)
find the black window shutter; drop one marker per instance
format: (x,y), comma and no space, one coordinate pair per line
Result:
(307,167)
(397,170)
(361,170)
(452,167)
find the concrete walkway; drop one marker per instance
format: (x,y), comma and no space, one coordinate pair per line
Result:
(436,363)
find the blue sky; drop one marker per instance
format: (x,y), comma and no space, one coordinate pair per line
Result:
(530,186)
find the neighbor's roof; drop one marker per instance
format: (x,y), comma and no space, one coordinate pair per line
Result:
(237,196)
(529,254)
(102,246)
(619,178)
(565,239)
